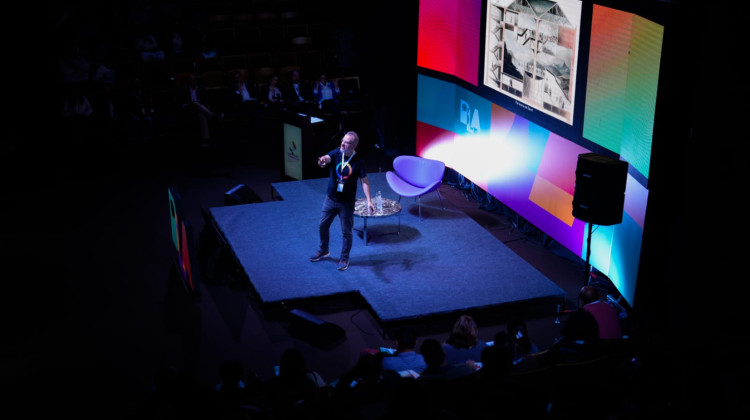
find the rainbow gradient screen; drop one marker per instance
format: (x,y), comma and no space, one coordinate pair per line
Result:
(514,143)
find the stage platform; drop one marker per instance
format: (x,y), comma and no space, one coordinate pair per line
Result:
(443,264)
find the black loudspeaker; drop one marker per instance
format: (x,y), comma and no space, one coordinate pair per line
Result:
(600,189)
(309,328)
(240,194)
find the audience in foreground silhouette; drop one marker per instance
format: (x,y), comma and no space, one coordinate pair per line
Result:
(175,395)
(463,343)
(580,379)
(366,390)
(606,315)
(519,333)
(579,341)
(438,367)
(406,359)
(231,385)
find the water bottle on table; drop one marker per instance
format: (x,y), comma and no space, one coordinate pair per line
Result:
(379,202)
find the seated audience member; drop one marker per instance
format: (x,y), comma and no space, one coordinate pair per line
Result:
(586,360)
(77,122)
(77,104)
(149,47)
(294,374)
(463,343)
(192,98)
(522,344)
(138,110)
(406,357)
(494,370)
(605,314)
(74,66)
(440,382)
(173,394)
(326,94)
(495,385)
(242,100)
(497,360)
(365,390)
(296,390)
(231,387)
(438,367)
(275,97)
(579,342)
(297,94)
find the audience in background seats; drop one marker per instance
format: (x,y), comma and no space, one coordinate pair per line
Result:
(326,94)
(148,46)
(463,343)
(275,97)
(76,104)
(138,111)
(274,100)
(74,65)
(297,94)
(242,100)
(192,99)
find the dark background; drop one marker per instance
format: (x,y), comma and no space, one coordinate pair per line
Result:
(92,306)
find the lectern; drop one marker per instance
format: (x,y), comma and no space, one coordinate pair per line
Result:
(301,146)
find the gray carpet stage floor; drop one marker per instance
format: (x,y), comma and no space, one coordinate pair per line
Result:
(442,264)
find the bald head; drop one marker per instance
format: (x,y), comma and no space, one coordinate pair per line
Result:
(353,137)
(588,294)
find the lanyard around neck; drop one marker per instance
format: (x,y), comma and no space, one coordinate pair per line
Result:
(344,163)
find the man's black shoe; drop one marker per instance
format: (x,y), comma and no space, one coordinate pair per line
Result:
(319,256)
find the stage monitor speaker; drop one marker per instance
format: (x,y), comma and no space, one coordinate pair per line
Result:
(599,195)
(309,328)
(240,194)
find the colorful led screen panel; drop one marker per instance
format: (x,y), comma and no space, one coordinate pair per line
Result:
(448,37)
(529,169)
(623,76)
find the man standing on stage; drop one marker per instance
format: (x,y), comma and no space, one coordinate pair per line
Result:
(346,168)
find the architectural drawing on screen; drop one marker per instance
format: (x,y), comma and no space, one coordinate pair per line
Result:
(532,52)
